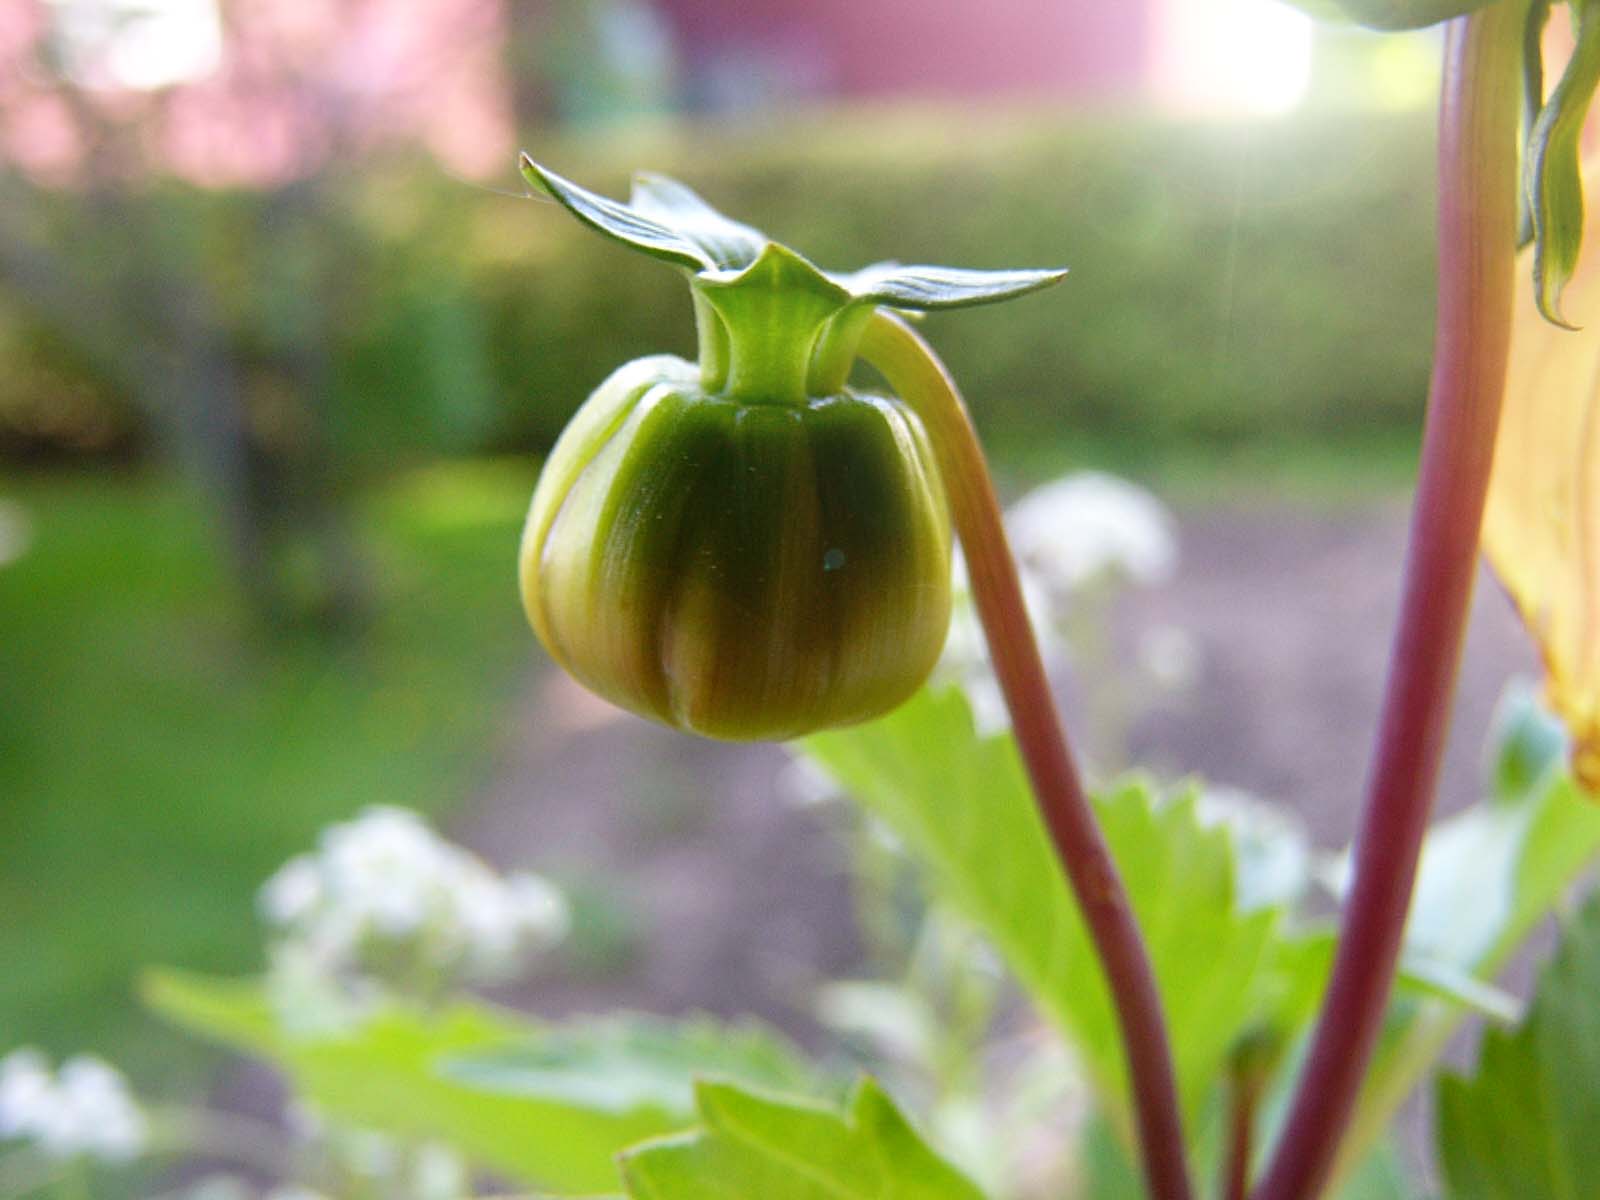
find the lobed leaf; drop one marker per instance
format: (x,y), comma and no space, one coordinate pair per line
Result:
(963,806)
(754,1145)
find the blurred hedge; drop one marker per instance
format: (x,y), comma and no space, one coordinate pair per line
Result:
(1230,283)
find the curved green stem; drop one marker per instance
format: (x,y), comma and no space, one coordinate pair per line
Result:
(916,374)
(1477,241)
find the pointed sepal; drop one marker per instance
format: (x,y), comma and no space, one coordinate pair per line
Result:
(924,288)
(621,222)
(726,243)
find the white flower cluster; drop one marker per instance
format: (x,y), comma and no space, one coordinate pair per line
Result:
(384,895)
(1083,527)
(1069,536)
(16,531)
(83,1110)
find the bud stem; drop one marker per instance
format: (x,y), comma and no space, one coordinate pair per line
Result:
(1477,244)
(917,375)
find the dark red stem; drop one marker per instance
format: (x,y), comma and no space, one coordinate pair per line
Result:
(917,375)
(1241,1124)
(1477,239)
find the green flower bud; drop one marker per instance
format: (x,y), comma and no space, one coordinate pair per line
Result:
(746,547)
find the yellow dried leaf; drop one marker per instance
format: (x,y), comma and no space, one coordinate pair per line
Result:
(1542,527)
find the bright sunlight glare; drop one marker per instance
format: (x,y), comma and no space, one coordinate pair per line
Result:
(1232,57)
(138,44)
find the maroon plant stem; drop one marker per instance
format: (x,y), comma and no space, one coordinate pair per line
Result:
(916,374)
(1477,239)
(1246,1097)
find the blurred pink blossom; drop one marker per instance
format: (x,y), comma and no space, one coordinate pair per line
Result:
(296,83)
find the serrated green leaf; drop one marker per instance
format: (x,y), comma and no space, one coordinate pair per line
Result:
(926,288)
(963,806)
(1552,174)
(753,1145)
(399,1070)
(1390,15)
(1525,1124)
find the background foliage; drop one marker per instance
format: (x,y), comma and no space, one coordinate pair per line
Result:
(1210,265)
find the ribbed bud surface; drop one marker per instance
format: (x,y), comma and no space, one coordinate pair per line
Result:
(739,570)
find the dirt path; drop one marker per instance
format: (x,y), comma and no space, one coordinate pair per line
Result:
(720,894)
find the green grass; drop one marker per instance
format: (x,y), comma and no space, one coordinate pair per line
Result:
(158,757)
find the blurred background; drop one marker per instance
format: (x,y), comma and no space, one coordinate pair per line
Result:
(283,340)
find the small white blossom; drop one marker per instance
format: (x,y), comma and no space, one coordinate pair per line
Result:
(27,1090)
(293,892)
(85,1109)
(384,895)
(1084,526)
(1170,656)
(804,784)
(16,532)
(439,1173)
(1273,862)
(220,1187)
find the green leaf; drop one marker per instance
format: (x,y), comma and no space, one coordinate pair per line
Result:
(963,806)
(1391,14)
(413,1073)
(1525,1124)
(752,1145)
(1553,177)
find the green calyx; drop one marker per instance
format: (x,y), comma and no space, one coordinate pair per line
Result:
(773,327)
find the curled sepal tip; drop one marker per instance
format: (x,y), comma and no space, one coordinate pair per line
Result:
(1552,173)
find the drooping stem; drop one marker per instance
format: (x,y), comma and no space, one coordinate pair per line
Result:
(1477,241)
(1242,1104)
(916,374)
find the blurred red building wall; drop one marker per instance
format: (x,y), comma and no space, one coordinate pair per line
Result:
(1080,48)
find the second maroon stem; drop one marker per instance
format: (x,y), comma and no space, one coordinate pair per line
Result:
(1477,239)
